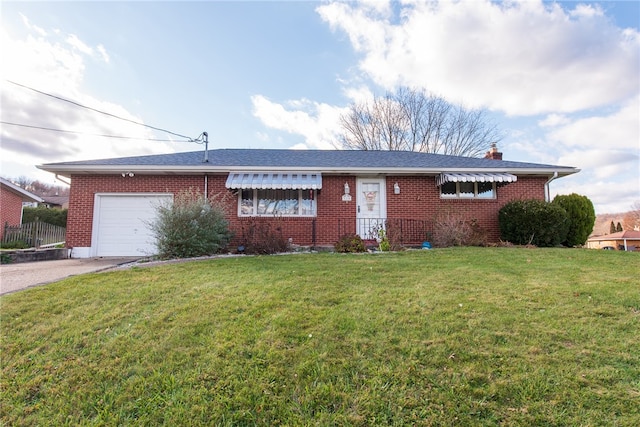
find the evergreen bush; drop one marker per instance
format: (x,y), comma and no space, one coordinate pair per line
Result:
(49,215)
(191,226)
(582,217)
(533,222)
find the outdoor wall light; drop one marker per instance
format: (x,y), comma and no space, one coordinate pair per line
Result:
(129,174)
(396,188)
(346,197)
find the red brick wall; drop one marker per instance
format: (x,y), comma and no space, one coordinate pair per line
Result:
(419,199)
(10,209)
(84,188)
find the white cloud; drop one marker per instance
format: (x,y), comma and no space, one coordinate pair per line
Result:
(75,42)
(607,196)
(553,120)
(519,57)
(54,63)
(317,122)
(602,163)
(103,53)
(30,26)
(618,130)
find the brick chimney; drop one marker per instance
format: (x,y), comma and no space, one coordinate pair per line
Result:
(493,153)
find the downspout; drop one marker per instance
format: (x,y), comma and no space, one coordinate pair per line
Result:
(62,180)
(547,194)
(206,186)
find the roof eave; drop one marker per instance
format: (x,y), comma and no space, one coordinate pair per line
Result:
(24,194)
(68,170)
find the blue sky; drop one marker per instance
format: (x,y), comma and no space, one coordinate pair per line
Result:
(560,79)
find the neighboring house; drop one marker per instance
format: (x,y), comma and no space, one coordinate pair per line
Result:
(623,240)
(12,198)
(313,197)
(55,202)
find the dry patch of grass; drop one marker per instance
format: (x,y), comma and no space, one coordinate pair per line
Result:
(465,336)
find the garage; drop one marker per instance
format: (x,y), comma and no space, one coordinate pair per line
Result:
(121,223)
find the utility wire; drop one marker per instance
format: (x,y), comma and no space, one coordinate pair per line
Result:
(92,134)
(101,112)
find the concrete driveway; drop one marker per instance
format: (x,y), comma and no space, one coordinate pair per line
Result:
(15,277)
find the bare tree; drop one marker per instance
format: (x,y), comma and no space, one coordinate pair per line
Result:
(38,187)
(414,120)
(632,218)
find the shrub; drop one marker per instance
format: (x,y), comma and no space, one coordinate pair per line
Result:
(350,243)
(191,226)
(534,222)
(50,216)
(453,229)
(263,237)
(15,244)
(582,217)
(384,244)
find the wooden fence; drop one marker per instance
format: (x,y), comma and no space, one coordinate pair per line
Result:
(35,234)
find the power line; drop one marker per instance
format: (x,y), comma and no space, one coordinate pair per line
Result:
(101,112)
(93,134)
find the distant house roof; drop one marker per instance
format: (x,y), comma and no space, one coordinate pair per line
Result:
(55,200)
(324,161)
(620,235)
(26,195)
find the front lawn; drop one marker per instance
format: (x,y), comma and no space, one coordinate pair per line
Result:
(469,336)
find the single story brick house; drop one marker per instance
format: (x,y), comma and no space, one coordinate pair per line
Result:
(627,240)
(11,200)
(315,196)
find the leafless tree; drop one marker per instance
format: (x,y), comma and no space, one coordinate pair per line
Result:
(632,218)
(414,120)
(38,187)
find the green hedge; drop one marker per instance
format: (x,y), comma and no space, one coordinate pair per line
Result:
(534,222)
(582,217)
(49,215)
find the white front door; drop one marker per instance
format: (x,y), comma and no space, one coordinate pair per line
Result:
(372,207)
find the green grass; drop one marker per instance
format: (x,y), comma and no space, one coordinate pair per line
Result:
(470,336)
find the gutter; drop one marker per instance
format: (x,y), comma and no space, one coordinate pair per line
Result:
(547,195)
(68,170)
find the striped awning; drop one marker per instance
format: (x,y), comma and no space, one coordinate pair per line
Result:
(503,178)
(266,181)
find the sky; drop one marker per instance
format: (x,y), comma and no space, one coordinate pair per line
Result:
(561,80)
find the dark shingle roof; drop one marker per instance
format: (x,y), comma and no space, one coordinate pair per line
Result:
(320,160)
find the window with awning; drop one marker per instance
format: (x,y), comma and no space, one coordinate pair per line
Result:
(472,185)
(275,194)
(274,181)
(499,178)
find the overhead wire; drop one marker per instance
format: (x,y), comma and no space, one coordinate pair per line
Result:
(190,139)
(93,134)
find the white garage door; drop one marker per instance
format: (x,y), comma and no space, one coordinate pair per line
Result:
(121,224)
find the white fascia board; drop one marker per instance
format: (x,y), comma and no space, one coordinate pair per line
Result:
(68,170)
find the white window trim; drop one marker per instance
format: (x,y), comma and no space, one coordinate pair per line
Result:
(255,205)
